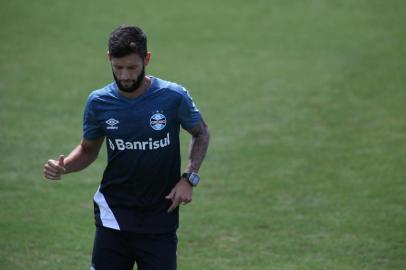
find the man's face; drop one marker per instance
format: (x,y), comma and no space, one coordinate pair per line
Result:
(128,71)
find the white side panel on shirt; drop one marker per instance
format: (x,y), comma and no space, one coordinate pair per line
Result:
(106,215)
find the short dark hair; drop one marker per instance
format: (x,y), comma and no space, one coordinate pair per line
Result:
(125,40)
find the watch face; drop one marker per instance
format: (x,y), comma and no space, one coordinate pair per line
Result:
(194,179)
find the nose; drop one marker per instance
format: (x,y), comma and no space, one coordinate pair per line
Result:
(125,75)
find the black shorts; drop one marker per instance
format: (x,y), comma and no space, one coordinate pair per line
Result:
(118,250)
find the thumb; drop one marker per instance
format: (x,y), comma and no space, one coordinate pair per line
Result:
(61,161)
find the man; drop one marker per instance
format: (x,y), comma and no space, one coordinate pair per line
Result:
(136,204)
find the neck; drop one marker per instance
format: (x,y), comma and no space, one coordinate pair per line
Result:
(139,91)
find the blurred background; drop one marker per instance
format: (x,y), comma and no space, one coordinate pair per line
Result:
(305,101)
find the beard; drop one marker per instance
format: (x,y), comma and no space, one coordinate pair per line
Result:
(134,86)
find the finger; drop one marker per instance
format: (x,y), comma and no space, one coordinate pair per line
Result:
(187,201)
(52,169)
(49,169)
(51,163)
(52,177)
(61,161)
(173,206)
(52,174)
(185,198)
(171,195)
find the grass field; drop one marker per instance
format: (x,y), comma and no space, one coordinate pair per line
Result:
(305,101)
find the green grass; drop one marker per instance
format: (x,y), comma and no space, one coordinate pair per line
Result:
(305,101)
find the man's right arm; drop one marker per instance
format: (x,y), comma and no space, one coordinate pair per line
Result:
(80,157)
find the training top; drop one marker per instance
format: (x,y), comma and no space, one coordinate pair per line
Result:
(142,141)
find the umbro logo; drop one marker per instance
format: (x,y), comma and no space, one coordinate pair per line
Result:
(112,123)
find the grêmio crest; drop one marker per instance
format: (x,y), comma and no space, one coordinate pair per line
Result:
(157,121)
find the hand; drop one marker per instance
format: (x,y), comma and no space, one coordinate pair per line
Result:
(54,169)
(181,193)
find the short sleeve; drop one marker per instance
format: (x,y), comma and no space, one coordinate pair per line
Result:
(91,128)
(188,114)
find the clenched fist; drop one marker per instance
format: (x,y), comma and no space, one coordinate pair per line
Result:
(54,169)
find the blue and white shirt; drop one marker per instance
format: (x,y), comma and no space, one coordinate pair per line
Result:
(142,140)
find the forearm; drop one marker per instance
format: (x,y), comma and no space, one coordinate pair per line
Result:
(81,157)
(198,148)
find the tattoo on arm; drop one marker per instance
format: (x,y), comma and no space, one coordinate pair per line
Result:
(198,146)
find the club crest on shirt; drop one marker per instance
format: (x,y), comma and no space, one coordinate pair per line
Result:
(157,121)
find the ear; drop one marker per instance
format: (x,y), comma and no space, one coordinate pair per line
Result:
(108,56)
(147,58)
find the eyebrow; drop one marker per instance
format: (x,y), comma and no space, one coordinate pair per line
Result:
(132,65)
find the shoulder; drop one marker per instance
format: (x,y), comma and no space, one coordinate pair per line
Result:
(171,88)
(102,93)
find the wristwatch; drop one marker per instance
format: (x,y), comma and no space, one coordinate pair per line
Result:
(192,178)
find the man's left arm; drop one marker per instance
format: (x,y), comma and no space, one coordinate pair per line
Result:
(198,146)
(182,192)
